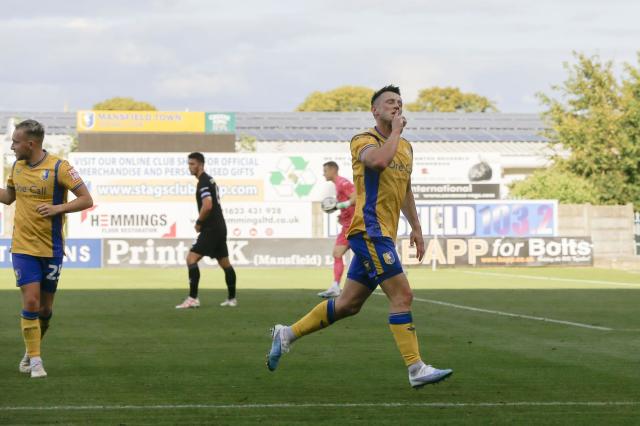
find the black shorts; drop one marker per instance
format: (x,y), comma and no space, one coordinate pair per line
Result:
(211,243)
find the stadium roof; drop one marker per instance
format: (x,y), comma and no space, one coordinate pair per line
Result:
(341,126)
(440,127)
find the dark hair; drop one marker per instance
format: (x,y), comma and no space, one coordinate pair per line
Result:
(32,129)
(331,164)
(389,88)
(197,156)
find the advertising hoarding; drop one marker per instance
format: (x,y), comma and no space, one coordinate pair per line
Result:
(79,253)
(508,218)
(569,251)
(177,220)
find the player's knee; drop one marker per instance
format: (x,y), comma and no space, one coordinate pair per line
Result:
(45,312)
(403,299)
(32,303)
(350,308)
(409,297)
(192,258)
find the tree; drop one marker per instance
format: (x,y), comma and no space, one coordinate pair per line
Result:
(596,119)
(246,143)
(345,98)
(123,104)
(555,184)
(450,99)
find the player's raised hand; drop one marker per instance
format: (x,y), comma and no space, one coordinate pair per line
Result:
(416,240)
(398,122)
(48,210)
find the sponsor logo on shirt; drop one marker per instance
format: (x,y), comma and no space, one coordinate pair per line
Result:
(33,189)
(74,174)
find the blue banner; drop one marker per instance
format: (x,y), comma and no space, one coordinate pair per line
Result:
(79,253)
(487,219)
(518,219)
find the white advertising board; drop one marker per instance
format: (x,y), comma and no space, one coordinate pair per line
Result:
(164,177)
(156,177)
(177,220)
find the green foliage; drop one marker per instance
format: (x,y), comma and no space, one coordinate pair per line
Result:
(246,143)
(450,99)
(555,184)
(74,143)
(596,118)
(345,98)
(123,104)
(435,99)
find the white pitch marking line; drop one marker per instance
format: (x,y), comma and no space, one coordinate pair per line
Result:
(533,277)
(508,314)
(319,405)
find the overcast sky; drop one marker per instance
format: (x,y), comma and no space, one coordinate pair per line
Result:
(263,55)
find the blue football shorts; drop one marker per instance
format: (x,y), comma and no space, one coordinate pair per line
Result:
(33,269)
(374,260)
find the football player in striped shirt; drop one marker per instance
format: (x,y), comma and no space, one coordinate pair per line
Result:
(382,161)
(39,183)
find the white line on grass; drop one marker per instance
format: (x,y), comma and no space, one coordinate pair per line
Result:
(534,277)
(329,405)
(508,314)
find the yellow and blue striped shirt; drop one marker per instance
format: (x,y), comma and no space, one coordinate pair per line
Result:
(380,194)
(45,182)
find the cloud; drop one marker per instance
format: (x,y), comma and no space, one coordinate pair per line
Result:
(24,96)
(84,24)
(198,84)
(134,54)
(267,55)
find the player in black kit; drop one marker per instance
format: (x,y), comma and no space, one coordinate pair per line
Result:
(212,237)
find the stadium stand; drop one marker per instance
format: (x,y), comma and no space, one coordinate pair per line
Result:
(340,126)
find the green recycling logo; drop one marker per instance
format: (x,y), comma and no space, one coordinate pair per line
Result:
(292,178)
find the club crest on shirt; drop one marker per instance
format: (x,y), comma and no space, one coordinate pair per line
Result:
(388,258)
(45,175)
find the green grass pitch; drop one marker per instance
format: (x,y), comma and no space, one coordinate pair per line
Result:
(528,346)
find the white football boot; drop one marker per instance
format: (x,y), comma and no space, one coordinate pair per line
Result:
(427,374)
(230,302)
(37,369)
(331,292)
(25,364)
(188,303)
(280,345)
